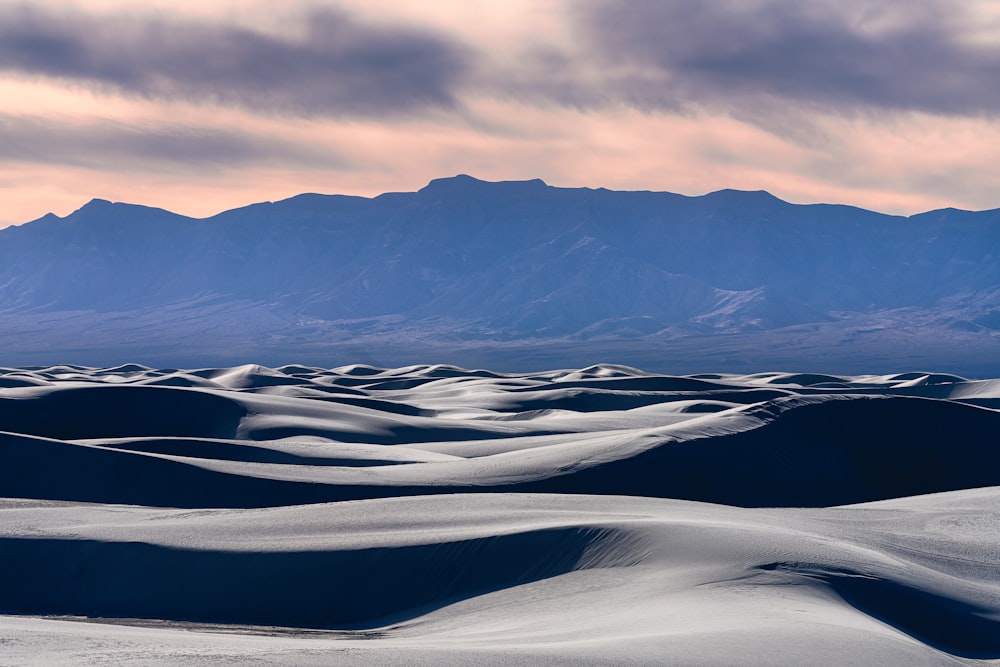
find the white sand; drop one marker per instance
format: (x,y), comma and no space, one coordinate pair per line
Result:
(430,515)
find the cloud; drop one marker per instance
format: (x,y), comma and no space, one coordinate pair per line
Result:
(332,65)
(763,59)
(200,107)
(116,146)
(750,55)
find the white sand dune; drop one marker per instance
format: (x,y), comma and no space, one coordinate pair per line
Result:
(430,515)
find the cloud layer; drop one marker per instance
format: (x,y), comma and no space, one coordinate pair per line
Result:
(335,64)
(117,146)
(883,104)
(828,55)
(654,54)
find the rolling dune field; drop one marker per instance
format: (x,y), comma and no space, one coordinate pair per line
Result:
(432,514)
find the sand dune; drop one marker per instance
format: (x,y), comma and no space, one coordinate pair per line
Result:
(431,514)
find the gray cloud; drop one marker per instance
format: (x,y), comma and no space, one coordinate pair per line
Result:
(748,55)
(335,66)
(763,60)
(121,147)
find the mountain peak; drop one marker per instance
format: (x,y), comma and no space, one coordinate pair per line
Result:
(464,182)
(96,206)
(96,203)
(459,181)
(755,195)
(102,209)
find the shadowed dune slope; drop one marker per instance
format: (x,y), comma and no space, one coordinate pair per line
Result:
(940,618)
(825,452)
(312,589)
(106,436)
(84,411)
(642,577)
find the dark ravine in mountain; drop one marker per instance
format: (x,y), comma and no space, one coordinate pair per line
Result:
(505,275)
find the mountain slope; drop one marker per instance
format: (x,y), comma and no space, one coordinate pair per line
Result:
(464,259)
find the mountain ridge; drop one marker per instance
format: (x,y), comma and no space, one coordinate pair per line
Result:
(448,182)
(469,260)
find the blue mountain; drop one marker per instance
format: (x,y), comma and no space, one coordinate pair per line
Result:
(504,267)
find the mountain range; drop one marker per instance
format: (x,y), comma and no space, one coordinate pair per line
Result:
(508,274)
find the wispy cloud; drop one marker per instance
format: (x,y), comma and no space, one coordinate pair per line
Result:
(333,65)
(116,146)
(826,55)
(652,54)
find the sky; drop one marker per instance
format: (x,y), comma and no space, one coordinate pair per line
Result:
(199,107)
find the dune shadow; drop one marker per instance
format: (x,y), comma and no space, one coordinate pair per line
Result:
(216,450)
(589,399)
(949,624)
(351,589)
(71,413)
(835,452)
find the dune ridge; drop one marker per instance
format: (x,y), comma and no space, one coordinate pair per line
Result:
(432,513)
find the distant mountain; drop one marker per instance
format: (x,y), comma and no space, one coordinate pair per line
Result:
(501,267)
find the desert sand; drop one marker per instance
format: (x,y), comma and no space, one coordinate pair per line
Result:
(438,515)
